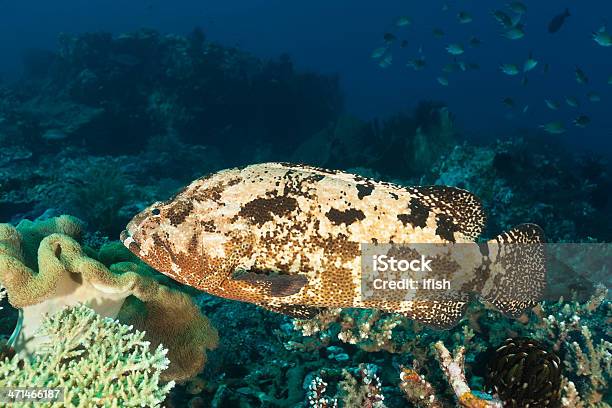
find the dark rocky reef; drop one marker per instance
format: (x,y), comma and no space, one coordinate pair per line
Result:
(119,91)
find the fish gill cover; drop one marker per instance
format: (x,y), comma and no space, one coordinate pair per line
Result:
(252,190)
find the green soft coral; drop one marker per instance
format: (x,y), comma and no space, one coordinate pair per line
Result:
(61,273)
(97,361)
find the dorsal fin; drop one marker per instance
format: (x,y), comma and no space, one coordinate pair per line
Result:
(460,207)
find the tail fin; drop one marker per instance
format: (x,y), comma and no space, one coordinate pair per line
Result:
(517,273)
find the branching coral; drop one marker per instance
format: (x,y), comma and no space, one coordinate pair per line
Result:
(574,330)
(453,367)
(316,395)
(97,361)
(417,389)
(357,387)
(62,274)
(370,330)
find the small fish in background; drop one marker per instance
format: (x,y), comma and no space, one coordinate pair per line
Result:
(404,43)
(445,7)
(554,128)
(386,61)
(442,80)
(546,68)
(54,135)
(379,52)
(571,101)
(610,80)
(525,109)
(464,17)
(530,63)
(455,49)
(517,7)
(581,77)
(473,66)
(475,42)
(417,63)
(403,21)
(582,121)
(593,97)
(450,67)
(557,22)
(551,104)
(515,32)
(524,80)
(437,33)
(509,69)
(389,38)
(503,18)
(602,37)
(509,102)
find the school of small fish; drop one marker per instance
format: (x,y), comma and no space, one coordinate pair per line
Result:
(511,22)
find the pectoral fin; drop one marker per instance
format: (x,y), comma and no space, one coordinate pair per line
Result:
(272,284)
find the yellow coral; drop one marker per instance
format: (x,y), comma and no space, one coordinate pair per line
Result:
(63,275)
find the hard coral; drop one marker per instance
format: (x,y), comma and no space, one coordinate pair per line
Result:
(96,361)
(62,274)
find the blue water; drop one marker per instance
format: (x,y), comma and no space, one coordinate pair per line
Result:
(101,126)
(338,37)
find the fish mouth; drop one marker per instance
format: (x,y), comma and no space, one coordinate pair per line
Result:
(129,242)
(125,234)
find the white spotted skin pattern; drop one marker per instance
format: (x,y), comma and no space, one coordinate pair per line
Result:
(298,220)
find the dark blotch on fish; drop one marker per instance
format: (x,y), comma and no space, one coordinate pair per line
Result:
(261,210)
(364,190)
(418,214)
(347,217)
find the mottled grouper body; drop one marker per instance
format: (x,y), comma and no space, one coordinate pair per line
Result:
(287,237)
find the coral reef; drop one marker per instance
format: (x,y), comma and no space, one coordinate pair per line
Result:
(97,361)
(570,193)
(454,370)
(581,333)
(417,389)
(108,124)
(402,147)
(357,387)
(146,83)
(60,273)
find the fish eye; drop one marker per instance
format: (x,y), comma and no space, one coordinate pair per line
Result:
(155,211)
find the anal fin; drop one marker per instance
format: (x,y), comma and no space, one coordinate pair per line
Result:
(441,312)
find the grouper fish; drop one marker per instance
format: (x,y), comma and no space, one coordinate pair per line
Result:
(288,237)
